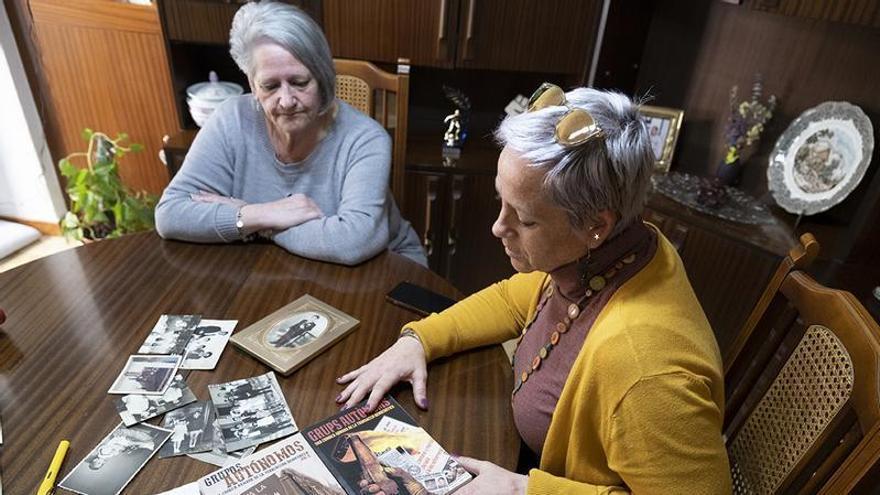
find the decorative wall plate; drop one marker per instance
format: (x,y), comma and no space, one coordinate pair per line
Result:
(821,157)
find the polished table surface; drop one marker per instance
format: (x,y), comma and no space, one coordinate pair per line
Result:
(75,317)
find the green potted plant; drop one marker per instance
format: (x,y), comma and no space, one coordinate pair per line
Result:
(101,206)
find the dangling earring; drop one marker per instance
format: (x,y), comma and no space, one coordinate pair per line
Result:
(584,265)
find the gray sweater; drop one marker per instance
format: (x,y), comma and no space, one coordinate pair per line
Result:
(346,176)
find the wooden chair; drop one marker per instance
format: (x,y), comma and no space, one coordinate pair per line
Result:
(383,96)
(803,389)
(799,257)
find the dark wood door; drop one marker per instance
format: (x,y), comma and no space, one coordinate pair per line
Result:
(474,258)
(384,30)
(528,35)
(425,208)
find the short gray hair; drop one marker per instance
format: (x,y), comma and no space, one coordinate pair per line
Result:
(613,173)
(290,28)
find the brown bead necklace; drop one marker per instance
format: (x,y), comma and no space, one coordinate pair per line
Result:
(575,309)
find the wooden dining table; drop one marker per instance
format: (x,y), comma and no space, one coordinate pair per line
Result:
(74,318)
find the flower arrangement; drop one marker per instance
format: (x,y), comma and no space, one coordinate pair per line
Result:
(746,121)
(100,204)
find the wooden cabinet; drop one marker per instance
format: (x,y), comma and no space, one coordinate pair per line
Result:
(452,208)
(554,36)
(384,30)
(525,35)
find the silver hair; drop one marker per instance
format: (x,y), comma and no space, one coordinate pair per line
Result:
(612,174)
(290,28)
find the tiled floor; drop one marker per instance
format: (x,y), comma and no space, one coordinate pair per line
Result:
(44,247)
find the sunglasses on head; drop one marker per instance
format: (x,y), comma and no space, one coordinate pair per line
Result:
(576,127)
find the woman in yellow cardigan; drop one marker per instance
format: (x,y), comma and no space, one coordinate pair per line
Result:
(618,378)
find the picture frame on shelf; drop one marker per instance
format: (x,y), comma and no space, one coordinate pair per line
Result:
(663,124)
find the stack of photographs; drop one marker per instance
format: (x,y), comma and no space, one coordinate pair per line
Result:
(240,415)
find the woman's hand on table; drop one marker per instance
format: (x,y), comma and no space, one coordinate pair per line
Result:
(403,361)
(490,479)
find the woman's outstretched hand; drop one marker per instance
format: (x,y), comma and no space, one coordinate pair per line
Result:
(403,361)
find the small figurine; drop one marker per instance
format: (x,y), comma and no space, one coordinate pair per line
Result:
(456,122)
(452,136)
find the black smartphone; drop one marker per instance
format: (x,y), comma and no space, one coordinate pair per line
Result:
(418,299)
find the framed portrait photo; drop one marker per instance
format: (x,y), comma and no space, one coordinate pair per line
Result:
(291,336)
(663,125)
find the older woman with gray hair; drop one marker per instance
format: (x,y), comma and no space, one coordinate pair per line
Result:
(290,161)
(618,383)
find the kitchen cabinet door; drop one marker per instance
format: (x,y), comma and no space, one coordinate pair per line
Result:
(474,258)
(384,30)
(554,36)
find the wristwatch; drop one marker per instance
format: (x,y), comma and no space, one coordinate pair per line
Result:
(239,222)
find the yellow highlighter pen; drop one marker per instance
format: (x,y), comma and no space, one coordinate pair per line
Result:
(48,483)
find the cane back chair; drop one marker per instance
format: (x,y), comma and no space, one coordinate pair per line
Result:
(803,389)
(384,97)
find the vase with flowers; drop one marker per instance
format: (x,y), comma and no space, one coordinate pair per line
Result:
(743,130)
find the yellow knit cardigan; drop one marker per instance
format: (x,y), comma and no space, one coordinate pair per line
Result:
(641,410)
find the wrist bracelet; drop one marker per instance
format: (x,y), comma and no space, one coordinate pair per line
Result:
(239,225)
(408,332)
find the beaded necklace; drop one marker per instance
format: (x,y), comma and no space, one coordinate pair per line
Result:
(575,309)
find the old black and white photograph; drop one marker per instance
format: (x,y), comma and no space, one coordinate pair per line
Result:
(135,408)
(207,344)
(298,330)
(170,335)
(116,460)
(218,456)
(292,335)
(191,429)
(251,411)
(146,375)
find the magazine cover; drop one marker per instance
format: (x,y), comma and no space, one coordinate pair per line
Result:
(289,467)
(387,450)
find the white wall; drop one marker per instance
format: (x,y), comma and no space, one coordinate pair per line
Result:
(29,187)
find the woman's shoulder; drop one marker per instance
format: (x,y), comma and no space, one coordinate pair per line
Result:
(657,310)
